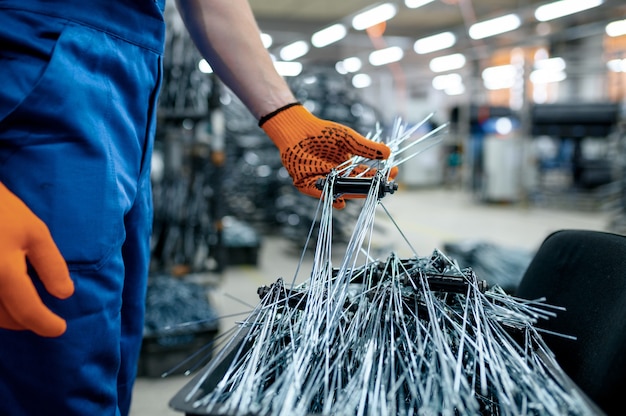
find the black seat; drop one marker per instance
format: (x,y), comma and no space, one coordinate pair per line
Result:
(585,272)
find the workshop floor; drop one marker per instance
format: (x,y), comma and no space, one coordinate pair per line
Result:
(428,217)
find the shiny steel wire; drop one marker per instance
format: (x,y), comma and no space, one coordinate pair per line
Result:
(372,337)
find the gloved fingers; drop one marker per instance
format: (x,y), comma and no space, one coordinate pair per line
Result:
(52,269)
(360,146)
(339,203)
(7,321)
(22,302)
(393,172)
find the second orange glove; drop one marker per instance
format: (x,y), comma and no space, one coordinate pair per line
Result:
(23,235)
(311,148)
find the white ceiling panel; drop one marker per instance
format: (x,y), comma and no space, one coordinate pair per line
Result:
(291,20)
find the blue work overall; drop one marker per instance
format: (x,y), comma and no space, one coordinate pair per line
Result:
(79,83)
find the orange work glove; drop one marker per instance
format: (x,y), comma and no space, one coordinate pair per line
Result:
(23,235)
(311,148)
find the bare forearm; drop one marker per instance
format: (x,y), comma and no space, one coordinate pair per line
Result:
(227,35)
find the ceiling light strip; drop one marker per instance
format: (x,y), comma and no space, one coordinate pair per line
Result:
(562,8)
(374,16)
(495,26)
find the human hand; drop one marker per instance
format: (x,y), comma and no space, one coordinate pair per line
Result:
(311,148)
(23,234)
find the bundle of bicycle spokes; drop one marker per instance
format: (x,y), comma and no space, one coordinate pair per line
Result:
(396,336)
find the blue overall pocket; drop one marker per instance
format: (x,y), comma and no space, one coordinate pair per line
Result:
(73,133)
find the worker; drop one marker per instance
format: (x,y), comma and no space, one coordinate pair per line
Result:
(80,83)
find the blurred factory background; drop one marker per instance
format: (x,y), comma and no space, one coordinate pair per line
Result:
(533,94)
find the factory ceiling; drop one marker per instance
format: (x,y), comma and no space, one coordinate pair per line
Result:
(290,20)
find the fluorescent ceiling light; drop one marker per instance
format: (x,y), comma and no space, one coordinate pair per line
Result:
(352,64)
(373,16)
(617,65)
(500,71)
(348,65)
(499,77)
(434,43)
(386,56)
(563,8)
(267,40)
(447,63)
(455,89)
(441,82)
(548,70)
(288,69)
(617,28)
(414,4)
(294,50)
(361,81)
(204,67)
(543,76)
(340,68)
(551,64)
(495,26)
(329,35)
